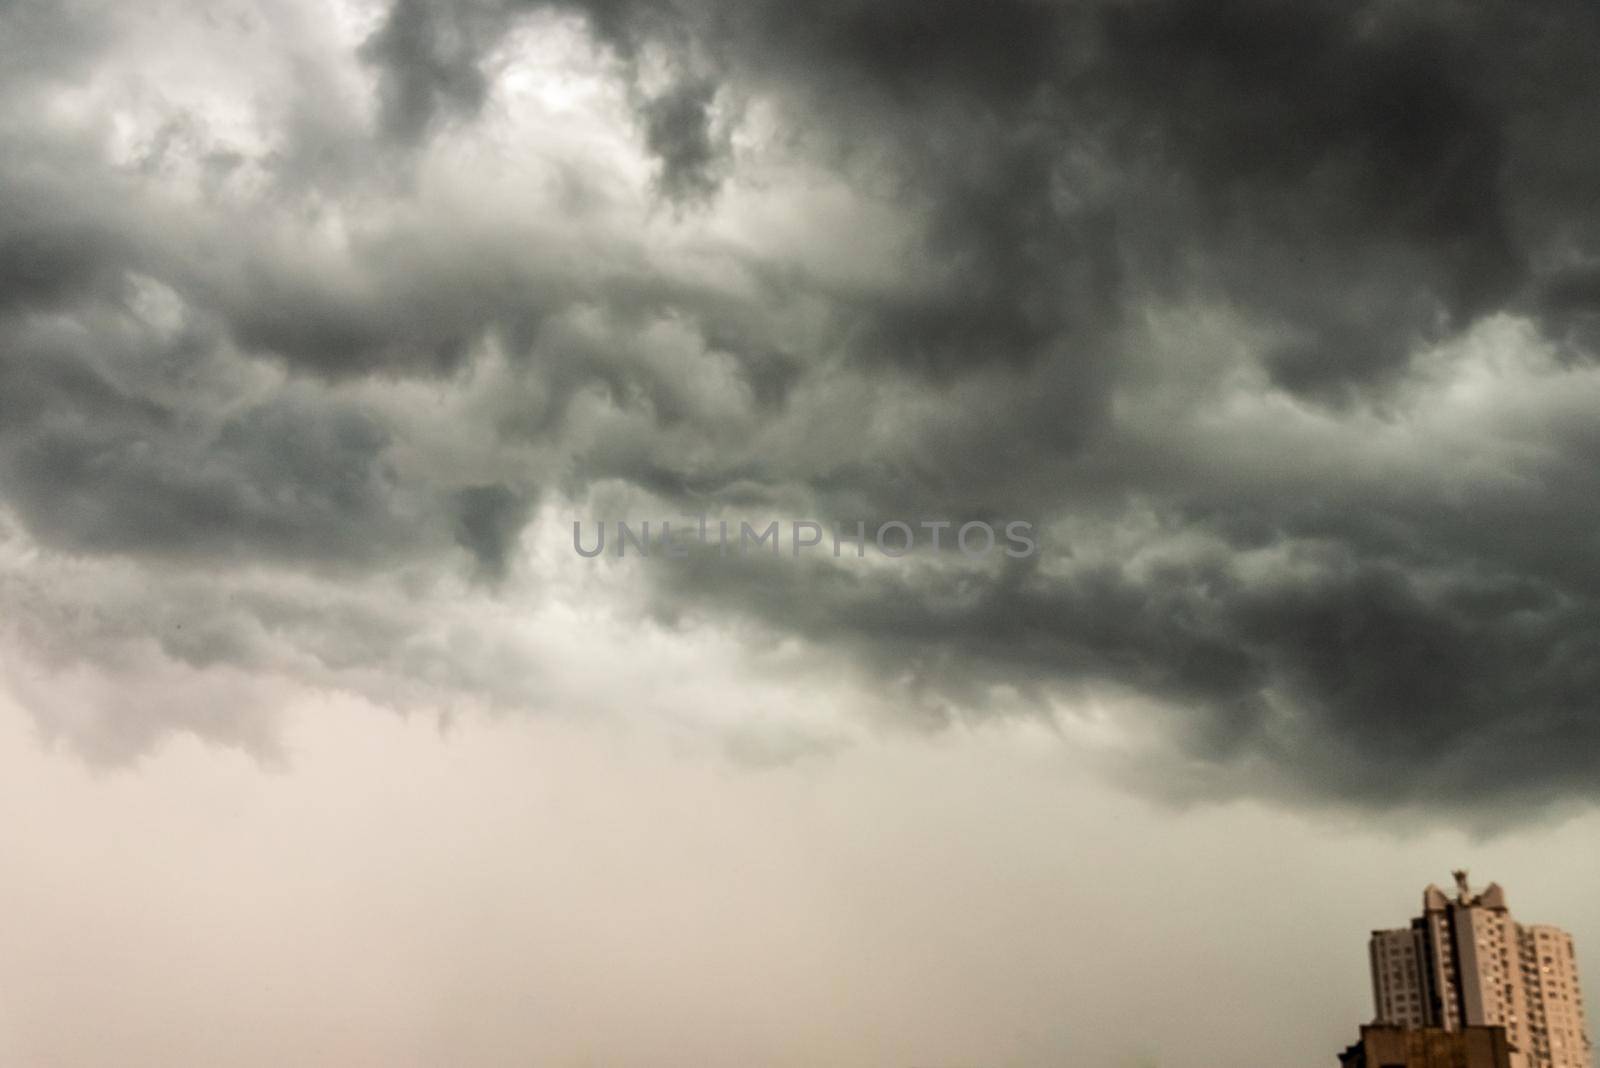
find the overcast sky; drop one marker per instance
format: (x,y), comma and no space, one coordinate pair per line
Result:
(321,323)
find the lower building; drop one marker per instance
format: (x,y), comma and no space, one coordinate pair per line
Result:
(1386,1046)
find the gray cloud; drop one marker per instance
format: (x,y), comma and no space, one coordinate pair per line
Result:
(1281,322)
(488,519)
(428,54)
(678,131)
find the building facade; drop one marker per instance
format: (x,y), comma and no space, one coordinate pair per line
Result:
(1466,963)
(1407,1047)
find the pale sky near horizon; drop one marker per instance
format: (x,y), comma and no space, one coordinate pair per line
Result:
(547,892)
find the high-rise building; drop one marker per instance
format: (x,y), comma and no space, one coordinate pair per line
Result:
(1466,963)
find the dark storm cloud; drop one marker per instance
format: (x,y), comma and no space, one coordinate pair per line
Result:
(1173,278)
(41,268)
(90,465)
(1315,159)
(1365,681)
(678,131)
(488,520)
(413,302)
(1342,143)
(1358,184)
(429,55)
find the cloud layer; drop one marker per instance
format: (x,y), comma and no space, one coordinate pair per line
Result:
(1279,321)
